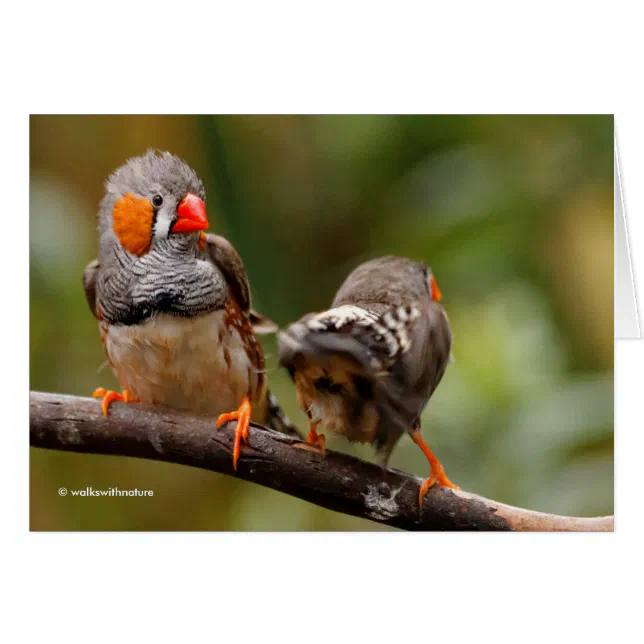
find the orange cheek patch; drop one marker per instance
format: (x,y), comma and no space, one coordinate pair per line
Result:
(133,218)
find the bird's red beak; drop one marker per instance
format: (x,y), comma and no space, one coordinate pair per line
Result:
(192,215)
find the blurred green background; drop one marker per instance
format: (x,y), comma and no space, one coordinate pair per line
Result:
(514,214)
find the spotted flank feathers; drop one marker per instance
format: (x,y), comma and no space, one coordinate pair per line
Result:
(385,336)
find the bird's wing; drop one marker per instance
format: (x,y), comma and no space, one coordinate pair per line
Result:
(227,260)
(373,342)
(428,354)
(89,284)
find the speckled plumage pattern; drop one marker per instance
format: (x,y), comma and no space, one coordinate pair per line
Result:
(173,277)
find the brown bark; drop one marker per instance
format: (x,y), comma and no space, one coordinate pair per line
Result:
(336,481)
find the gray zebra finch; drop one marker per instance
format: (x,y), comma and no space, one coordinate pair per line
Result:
(173,302)
(367,367)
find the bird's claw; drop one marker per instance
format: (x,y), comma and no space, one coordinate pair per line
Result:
(314,442)
(110,396)
(436,474)
(242,416)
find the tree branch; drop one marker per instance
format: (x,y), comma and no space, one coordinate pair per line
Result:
(338,482)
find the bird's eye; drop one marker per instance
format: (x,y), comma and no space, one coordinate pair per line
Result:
(157,200)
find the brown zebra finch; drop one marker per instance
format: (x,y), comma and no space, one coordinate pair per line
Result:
(367,367)
(173,303)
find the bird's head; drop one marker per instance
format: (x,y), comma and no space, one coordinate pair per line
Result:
(152,200)
(398,281)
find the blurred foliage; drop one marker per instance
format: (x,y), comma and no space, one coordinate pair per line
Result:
(513,213)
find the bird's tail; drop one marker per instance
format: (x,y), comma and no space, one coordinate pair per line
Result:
(276,418)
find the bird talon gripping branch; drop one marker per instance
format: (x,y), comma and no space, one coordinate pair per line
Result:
(110,396)
(314,441)
(437,472)
(242,416)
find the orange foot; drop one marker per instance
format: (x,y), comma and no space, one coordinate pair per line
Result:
(436,474)
(242,416)
(110,396)
(314,441)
